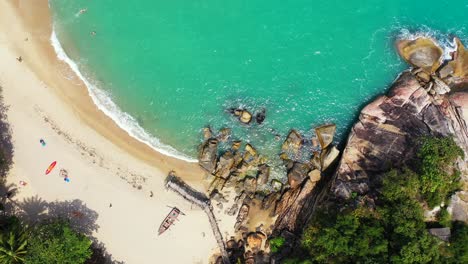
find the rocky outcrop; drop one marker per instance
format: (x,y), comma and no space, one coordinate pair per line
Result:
(208,155)
(422,53)
(388,130)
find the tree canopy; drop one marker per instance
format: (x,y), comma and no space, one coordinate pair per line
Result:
(393,229)
(56,242)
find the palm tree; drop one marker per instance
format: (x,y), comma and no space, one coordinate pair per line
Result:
(13,241)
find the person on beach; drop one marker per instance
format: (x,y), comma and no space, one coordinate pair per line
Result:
(20,59)
(151,193)
(42,142)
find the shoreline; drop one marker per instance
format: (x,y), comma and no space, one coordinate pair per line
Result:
(75,92)
(116,183)
(104,103)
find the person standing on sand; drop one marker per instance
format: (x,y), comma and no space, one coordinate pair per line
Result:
(110,205)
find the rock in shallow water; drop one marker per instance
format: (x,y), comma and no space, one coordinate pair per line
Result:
(260,116)
(245,117)
(421,52)
(208,155)
(325,134)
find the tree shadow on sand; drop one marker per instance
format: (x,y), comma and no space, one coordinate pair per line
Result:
(6,145)
(81,218)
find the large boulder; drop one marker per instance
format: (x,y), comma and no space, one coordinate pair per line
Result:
(276,185)
(325,134)
(315,175)
(328,156)
(456,71)
(255,240)
(207,133)
(225,165)
(263,174)
(297,174)
(242,216)
(208,154)
(250,185)
(296,206)
(292,145)
(245,117)
(421,52)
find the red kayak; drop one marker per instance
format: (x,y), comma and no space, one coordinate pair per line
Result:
(51,167)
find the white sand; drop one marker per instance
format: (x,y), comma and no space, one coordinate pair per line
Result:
(102,170)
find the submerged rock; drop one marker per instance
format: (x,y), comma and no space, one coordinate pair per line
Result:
(236,145)
(421,52)
(276,185)
(208,154)
(260,116)
(224,134)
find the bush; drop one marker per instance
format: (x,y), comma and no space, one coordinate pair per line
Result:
(444,218)
(56,242)
(438,177)
(276,243)
(459,243)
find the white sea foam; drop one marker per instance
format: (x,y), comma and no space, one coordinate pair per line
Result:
(104,103)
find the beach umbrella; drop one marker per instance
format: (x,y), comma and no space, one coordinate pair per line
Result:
(51,167)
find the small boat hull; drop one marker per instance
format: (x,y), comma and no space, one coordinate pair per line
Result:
(169,220)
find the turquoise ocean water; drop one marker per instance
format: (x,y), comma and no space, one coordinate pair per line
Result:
(175,66)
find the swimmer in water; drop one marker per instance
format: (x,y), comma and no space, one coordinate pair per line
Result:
(93,33)
(82,11)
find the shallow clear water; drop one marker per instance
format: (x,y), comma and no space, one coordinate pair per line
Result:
(175,66)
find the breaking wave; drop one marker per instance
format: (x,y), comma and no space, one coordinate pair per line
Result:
(104,103)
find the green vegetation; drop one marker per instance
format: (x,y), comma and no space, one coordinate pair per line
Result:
(56,242)
(13,242)
(393,230)
(47,242)
(276,243)
(438,178)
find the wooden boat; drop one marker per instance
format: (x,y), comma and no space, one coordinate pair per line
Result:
(169,220)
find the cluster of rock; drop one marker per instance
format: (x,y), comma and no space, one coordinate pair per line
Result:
(245,116)
(427,100)
(246,173)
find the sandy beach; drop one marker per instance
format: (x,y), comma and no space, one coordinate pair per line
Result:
(111,174)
